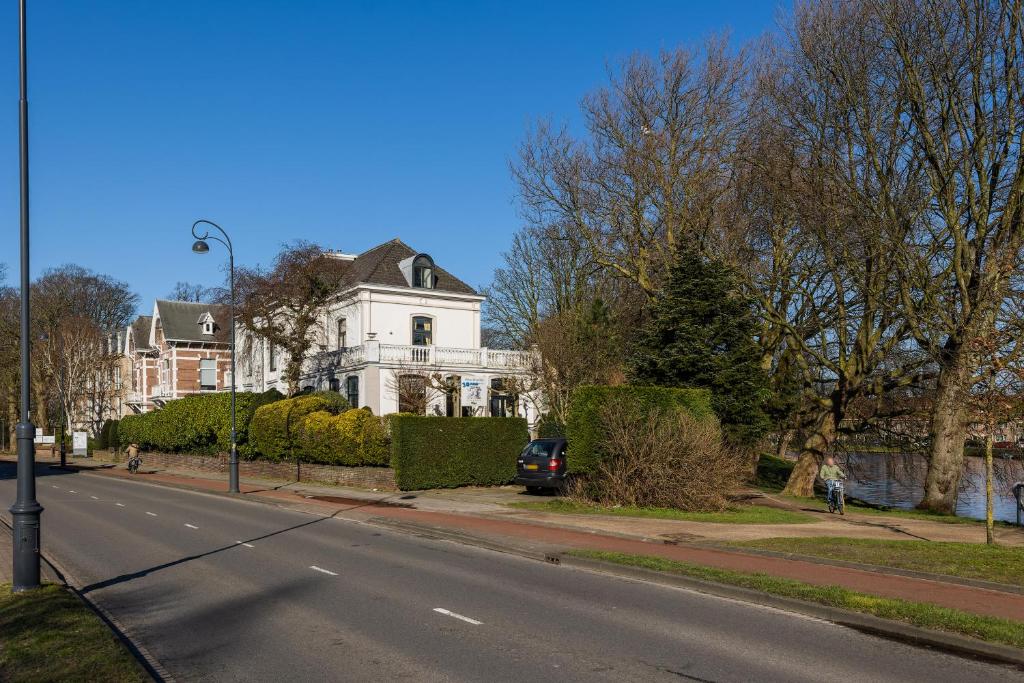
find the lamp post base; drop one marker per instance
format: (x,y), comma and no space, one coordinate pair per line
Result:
(25,514)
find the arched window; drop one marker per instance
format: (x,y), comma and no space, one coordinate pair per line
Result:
(352,390)
(422,331)
(423,272)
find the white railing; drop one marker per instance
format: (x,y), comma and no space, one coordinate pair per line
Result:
(431,356)
(135,397)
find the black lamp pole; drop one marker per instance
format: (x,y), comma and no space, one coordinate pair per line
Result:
(201,247)
(26,510)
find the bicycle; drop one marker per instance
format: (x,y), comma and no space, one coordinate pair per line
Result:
(835,496)
(133,463)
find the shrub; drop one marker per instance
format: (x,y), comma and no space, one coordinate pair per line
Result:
(445,452)
(353,438)
(585,428)
(550,428)
(108,435)
(273,432)
(662,458)
(194,424)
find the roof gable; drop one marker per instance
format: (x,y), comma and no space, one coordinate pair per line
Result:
(183,320)
(382,265)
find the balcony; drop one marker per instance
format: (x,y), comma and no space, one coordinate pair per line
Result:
(422,356)
(135,397)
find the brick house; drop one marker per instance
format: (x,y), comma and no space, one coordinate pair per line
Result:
(183,348)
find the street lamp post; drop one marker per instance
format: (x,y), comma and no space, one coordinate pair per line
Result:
(26,511)
(200,246)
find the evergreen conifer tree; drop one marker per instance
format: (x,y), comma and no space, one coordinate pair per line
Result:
(701,334)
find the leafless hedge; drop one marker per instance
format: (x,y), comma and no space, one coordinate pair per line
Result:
(667,459)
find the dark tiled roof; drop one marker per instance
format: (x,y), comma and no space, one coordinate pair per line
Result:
(140,331)
(379,266)
(180,321)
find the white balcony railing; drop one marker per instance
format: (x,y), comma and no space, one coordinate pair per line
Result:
(135,397)
(429,356)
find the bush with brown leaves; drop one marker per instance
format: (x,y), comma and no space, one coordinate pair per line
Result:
(663,459)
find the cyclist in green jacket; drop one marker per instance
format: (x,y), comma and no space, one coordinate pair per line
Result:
(830,473)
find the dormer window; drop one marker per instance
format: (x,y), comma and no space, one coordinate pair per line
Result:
(423,272)
(206,323)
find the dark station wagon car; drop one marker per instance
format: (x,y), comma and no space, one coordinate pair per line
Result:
(541,465)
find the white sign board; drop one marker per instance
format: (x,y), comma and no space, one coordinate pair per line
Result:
(474,393)
(41,439)
(80,443)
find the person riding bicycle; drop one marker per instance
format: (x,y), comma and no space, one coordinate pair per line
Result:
(133,457)
(830,473)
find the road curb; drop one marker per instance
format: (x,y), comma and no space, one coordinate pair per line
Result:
(947,642)
(866,623)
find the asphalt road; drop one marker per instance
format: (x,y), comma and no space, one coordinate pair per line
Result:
(225,590)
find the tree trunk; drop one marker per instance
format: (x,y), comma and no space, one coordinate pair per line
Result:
(785,440)
(948,433)
(817,444)
(989,524)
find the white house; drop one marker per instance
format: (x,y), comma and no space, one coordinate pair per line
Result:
(403,336)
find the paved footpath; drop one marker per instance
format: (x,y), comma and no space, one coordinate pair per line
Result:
(547,538)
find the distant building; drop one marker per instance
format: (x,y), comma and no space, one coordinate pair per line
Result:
(182,349)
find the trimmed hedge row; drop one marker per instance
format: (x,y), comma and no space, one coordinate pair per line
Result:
(446,452)
(274,432)
(355,437)
(195,424)
(583,427)
(108,435)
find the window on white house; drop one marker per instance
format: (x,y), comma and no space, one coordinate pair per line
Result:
(208,373)
(352,391)
(423,273)
(422,331)
(272,352)
(342,333)
(117,377)
(208,327)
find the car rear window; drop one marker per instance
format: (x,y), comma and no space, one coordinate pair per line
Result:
(540,449)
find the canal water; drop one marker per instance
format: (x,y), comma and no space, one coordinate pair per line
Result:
(896,480)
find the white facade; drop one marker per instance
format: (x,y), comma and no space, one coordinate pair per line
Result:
(373,334)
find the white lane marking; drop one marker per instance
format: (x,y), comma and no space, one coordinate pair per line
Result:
(247,545)
(70,491)
(448,613)
(54,486)
(151,514)
(120,505)
(324,571)
(191,526)
(94,497)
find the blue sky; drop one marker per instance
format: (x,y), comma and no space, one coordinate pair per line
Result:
(343,123)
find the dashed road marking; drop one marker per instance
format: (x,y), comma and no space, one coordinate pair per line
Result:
(151,514)
(247,545)
(70,491)
(94,497)
(54,486)
(120,505)
(448,613)
(191,526)
(324,571)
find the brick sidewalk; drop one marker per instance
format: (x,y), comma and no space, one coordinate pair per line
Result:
(496,531)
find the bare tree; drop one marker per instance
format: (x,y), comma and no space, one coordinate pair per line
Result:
(960,69)
(282,305)
(653,170)
(189,291)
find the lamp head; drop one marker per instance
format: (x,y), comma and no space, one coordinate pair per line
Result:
(200,247)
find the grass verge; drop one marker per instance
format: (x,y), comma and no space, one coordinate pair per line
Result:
(880,511)
(50,635)
(966,560)
(923,615)
(746,514)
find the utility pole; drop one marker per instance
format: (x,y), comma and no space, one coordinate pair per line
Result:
(26,510)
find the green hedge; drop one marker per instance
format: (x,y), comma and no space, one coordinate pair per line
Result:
(195,424)
(550,428)
(445,452)
(274,431)
(583,426)
(353,438)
